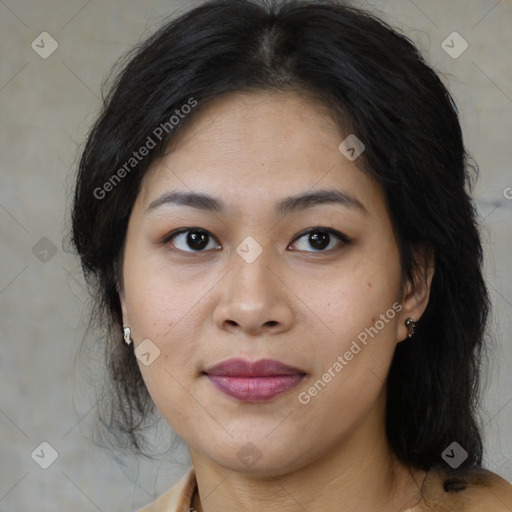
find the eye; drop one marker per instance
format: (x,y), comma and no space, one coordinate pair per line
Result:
(319,238)
(199,240)
(195,238)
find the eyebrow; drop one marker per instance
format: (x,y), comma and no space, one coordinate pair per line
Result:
(284,207)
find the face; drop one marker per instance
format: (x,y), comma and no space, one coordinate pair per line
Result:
(312,284)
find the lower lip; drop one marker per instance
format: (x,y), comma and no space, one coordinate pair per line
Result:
(255,389)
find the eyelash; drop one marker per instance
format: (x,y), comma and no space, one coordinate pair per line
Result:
(318,229)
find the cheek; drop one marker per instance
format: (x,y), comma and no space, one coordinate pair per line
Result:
(356,356)
(361,310)
(163,307)
(159,297)
(355,299)
(169,387)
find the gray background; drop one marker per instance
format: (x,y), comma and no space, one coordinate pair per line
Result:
(46,108)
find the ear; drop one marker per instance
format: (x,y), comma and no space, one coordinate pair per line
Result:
(120,289)
(124,309)
(416,293)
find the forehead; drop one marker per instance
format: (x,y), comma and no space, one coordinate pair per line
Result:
(263,145)
(258,116)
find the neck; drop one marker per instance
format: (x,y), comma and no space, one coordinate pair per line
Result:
(359,474)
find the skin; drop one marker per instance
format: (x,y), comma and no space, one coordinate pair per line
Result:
(295,303)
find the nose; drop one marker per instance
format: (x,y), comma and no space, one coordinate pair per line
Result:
(254,299)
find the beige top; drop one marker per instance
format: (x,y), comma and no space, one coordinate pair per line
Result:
(178,498)
(443,491)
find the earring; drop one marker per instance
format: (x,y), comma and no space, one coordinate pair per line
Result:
(127,335)
(411,325)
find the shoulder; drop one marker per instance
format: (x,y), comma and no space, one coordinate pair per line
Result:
(468,490)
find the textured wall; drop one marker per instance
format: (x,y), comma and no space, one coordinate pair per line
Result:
(46,108)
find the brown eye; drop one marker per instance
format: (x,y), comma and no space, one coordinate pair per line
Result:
(321,238)
(199,240)
(190,240)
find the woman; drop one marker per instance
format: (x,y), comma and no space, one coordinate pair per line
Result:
(272,212)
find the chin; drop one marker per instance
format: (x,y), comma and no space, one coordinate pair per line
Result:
(259,459)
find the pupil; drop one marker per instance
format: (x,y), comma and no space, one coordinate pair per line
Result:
(320,239)
(197,239)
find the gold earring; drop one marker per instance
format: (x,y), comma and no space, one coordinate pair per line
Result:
(411,325)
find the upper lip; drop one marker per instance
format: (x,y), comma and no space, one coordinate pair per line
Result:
(238,367)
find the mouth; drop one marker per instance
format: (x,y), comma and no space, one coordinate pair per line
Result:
(257,381)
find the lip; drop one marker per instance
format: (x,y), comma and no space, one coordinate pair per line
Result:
(254,381)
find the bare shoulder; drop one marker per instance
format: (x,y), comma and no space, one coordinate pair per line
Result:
(489,492)
(468,490)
